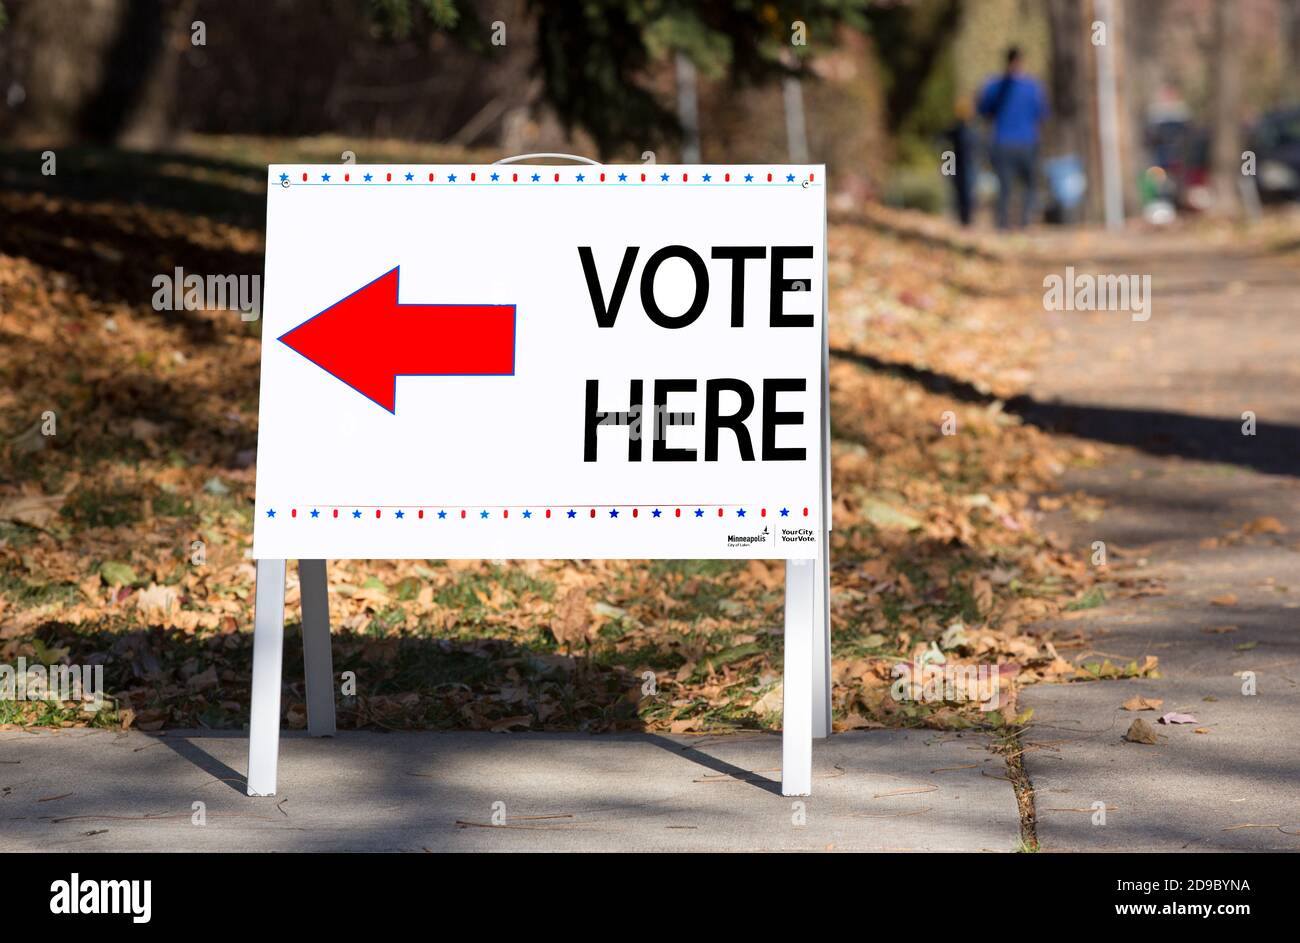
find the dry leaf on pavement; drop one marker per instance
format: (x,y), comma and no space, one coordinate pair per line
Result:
(1140,732)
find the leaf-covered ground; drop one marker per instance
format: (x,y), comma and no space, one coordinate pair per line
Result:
(124,537)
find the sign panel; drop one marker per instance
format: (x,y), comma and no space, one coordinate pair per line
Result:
(509,361)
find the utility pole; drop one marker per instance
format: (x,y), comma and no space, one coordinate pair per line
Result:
(1108,119)
(688,109)
(796,129)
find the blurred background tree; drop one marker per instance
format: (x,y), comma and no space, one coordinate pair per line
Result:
(869,88)
(108,70)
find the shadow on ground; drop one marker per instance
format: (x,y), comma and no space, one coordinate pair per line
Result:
(367,791)
(1274,449)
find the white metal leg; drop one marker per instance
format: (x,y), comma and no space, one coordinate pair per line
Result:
(268,653)
(797,724)
(318,661)
(822,680)
(821,642)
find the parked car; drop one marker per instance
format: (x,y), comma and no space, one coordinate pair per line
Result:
(1275,139)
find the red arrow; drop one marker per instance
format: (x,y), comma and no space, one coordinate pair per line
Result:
(368,340)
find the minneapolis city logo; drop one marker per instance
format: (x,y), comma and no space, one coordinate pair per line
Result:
(746,540)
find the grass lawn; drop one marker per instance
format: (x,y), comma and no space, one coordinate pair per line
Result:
(124,536)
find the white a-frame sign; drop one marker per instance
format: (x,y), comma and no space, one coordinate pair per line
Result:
(519,361)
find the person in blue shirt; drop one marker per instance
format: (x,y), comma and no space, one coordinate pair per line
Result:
(1015,105)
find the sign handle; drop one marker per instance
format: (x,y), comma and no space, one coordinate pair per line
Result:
(268,653)
(574,157)
(797,719)
(318,662)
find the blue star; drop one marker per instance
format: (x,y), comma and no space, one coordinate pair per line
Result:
(572,513)
(740,512)
(580,178)
(785,512)
(270,512)
(613,512)
(366,178)
(483,514)
(657,512)
(315,513)
(699,512)
(495,177)
(749,178)
(451,178)
(399,515)
(622,178)
(663,177)
(325,177)
(441,515)
(410,176)
(789,178)
(536,177)
(284,178)
(528,514)
(356,513)
(708,177)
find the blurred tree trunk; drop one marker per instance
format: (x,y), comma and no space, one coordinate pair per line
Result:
(909,39)
(1144,28)
(1291,50)
(150,122)
(129,64)
(1225,154)
(1074,93)
(57,51)
(92,69)
(1065,27)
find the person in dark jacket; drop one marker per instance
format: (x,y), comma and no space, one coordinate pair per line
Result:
(964,141)
(1015,105)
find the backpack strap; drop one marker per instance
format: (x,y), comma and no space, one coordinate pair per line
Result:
(1000,99)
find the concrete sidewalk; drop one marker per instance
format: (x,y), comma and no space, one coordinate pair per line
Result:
(1220,600)
(1236,785)
(88,790)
